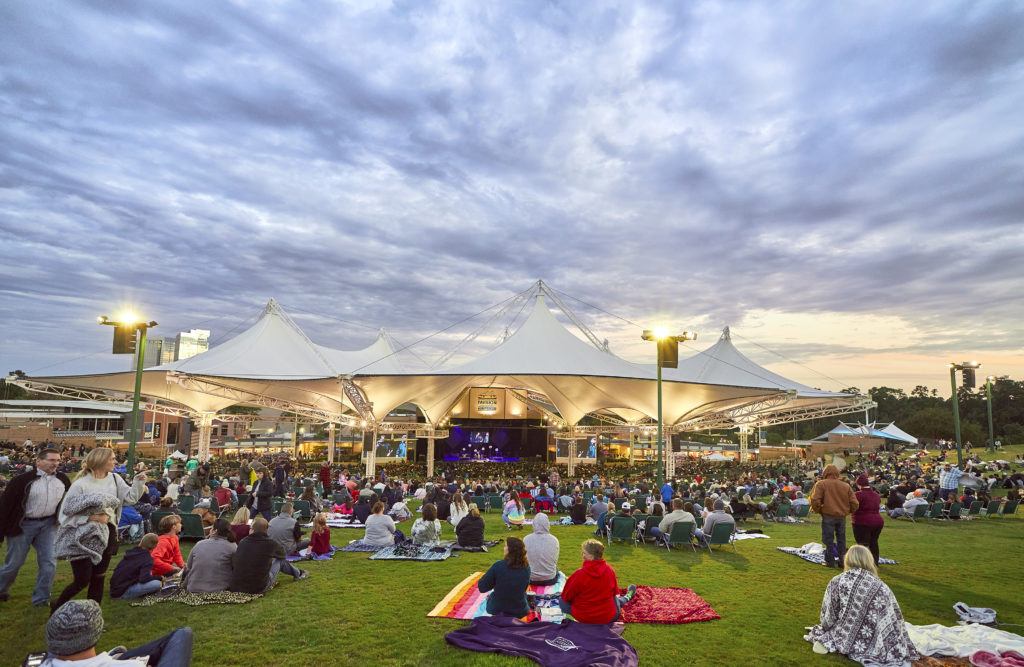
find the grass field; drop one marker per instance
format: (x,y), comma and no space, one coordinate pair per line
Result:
(353,611)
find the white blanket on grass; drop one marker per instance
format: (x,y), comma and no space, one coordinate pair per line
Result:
(962,641)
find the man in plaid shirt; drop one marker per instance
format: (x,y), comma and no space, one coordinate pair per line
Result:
(949,480)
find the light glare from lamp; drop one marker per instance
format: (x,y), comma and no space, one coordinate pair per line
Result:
(660,333)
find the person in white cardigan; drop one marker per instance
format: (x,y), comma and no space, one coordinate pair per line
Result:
(459,509)
(97,476)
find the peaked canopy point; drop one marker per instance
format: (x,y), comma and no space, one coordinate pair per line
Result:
(274,364)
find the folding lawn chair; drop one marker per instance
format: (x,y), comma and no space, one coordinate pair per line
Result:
(953,511)
(304,509)
(936,511)
(975,508)
(192,527)
(602,524)
(480,502)
(186,503)
(494,502)
(721,533)
(993,508)
(801,511)
(1009,508)
(622,528)
(782,512)
(682,533)
(920,511)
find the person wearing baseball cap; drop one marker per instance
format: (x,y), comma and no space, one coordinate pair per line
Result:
(74,630)
(867,521)
(624,514)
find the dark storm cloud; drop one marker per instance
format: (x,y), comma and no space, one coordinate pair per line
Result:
(408,164)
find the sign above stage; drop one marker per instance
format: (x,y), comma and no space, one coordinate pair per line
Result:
(493,403)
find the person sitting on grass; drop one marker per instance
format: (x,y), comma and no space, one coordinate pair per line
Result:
(320,538)
(73,632)
(399,511)
(542,548)
(287,531)
(380,528)
(133,577)
(209,567)
(507,581)
(591,592)
(860,617)
(426,530)
(470,530)
(578,511)
(361,510)
(240,524)
(258,560)
(459,509)
(167,560)
(514,514)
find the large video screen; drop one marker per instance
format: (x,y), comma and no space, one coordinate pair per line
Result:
(482,444)
(390,445)
(585,449)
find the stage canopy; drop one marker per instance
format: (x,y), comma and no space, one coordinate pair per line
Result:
(274,364)
(872,430)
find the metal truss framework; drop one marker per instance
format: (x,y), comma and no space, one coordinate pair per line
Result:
(771,412)
(208,386)
(422,430)
(150,404)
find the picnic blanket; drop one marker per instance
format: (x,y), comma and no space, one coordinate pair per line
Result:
(307,554)
(815,553)
(465,601)
(196,599)
(649,605)
(407,551)
(667,605)
(337,523)
(360,546)
(750,536)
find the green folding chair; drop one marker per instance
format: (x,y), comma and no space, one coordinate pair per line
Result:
(640,503)
(214,505)
(275,506)
(681,533)
(993,508)
(721,534)
(480,502)
(622,528)
(186,503)
(192,527)
(155,516)
(304,509)
(920,511)
(495,503)
(588,497)
(954,510)
(782,512)
(801,511)
(618,503)
(527,504)
(936,511)
(975,508)
(1010,508)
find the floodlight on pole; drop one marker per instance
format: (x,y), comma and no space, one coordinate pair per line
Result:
(668,355)
(968,368)
(130,337)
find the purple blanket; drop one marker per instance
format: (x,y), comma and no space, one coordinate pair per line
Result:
(547,644)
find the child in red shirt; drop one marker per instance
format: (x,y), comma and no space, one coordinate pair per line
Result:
(320,539)
(167,558)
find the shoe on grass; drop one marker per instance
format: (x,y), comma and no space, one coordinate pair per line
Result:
(630,592)
(303,574)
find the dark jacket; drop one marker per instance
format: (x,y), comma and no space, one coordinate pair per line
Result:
(262,501)
(12,503)
(578,512)
(508,588)
(252,561)
(360,512)
(135,568)
(470,531)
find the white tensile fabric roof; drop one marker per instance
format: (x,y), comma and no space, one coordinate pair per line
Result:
(890,432)
(274,358)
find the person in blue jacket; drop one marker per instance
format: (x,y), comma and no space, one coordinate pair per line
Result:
(133,576)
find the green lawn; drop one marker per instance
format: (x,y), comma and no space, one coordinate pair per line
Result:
(353,611)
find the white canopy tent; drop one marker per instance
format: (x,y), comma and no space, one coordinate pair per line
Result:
(274,364)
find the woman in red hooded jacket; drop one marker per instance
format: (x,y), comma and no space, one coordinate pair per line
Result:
(591,592)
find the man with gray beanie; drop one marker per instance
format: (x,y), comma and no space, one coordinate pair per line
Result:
(717,516)
(75,627)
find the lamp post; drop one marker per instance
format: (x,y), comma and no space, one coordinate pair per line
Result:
(668,356)
(129,337)
(968,368)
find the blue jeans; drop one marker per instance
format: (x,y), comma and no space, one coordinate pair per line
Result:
(173,650)
(833,531)
(139,590)
(41,534)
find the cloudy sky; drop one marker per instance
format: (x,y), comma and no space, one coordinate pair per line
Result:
(842,183)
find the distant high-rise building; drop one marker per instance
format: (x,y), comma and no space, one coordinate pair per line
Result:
(191,343)
(159,351)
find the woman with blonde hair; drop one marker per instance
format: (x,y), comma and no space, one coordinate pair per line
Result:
(240,524)
(97,477)
(860,617)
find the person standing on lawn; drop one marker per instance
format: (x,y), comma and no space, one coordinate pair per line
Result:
(867,521)
(833,499)
(949,480)
(28,518)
